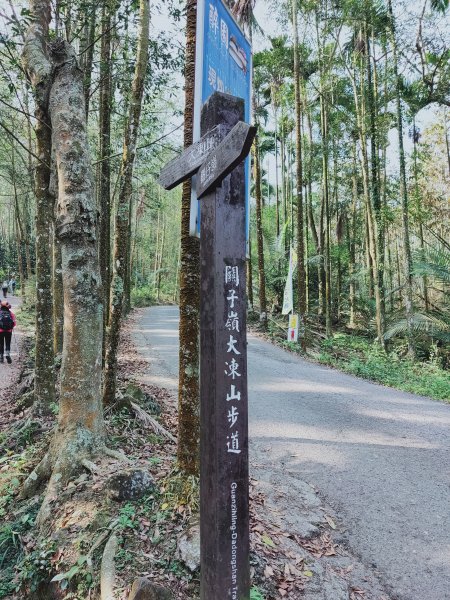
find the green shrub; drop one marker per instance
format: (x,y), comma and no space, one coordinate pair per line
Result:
(359,356)
(143,296)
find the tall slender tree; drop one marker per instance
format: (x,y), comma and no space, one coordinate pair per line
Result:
(122,229)
(188,387)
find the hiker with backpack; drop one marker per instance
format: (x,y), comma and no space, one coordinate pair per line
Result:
(5,286)
(7,324)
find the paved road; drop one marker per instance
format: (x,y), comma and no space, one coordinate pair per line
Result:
(380,457)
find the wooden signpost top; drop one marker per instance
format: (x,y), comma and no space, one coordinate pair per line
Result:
(188,163)
(225,158)
(214,156)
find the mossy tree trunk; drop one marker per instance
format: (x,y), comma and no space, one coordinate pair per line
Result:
(188,388)
(58,84)
(39,71)
(104,184)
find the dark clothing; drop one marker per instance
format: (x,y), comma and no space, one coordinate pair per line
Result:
(5,292)
(13,317)
(5,341)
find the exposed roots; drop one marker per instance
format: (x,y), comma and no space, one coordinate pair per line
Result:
(108,569)
(116,454)
(38,477)
(90,466)
(51,494)
(149,421)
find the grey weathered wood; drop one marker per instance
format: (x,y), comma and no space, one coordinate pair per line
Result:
(225,157)
(224,497)
(184,166)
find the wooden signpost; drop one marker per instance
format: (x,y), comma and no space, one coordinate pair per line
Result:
(228,154)
(184,166)
(224,500)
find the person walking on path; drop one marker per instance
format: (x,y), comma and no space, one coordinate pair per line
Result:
(5,289)
(7,324)
(12,286)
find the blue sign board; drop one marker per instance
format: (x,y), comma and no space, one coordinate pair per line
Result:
(223,64)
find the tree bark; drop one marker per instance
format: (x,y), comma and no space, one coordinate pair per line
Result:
(259,238)
(188,388)
(104,185)
(123,211)
(403,192)
(87,49)
(39,70)
(58,297)
(58,85)
(372,96)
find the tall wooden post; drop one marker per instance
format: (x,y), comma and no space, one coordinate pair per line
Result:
(224,504)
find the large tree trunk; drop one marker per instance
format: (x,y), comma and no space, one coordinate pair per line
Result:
(123,204)
(58,83)
(188,387)
(80,416)
(39,69)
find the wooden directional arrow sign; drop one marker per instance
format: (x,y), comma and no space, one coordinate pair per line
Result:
(225,157)
(184,166)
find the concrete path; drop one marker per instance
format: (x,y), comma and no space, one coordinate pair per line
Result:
(380,457)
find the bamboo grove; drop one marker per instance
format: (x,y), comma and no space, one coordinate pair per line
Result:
(351,169)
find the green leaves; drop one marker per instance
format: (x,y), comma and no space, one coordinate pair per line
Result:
(255,594)
(439,5)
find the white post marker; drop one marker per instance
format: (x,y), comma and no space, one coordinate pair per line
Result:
(293,329)
(288,298)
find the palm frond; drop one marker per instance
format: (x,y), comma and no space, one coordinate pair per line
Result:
(432,325)
(439,5)
(433,263)
(243,10)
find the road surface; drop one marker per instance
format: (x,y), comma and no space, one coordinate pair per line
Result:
(379,457)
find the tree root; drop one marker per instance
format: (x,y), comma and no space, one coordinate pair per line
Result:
(108,569)
(148,420)
(89,465)
(36,478)
(116,454)
(52,492)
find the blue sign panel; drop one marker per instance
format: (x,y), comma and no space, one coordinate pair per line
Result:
(223,64)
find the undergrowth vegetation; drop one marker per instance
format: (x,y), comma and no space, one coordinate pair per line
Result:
(359,355)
